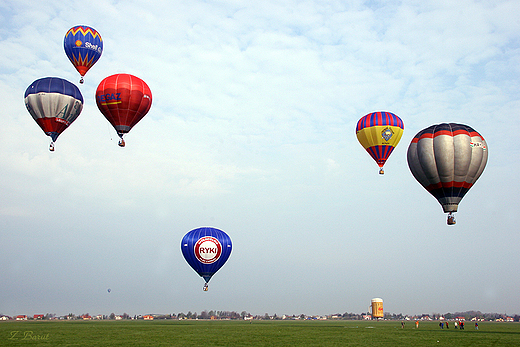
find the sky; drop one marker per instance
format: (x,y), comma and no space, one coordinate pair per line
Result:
(252,131)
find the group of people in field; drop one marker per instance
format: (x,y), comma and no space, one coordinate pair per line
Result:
(457,324)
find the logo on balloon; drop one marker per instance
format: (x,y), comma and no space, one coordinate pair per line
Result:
(208,250)
(387,134)
(478,144)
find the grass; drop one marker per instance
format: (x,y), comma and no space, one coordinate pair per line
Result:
(257,333)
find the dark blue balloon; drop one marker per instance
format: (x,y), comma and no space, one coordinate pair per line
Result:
(206,250)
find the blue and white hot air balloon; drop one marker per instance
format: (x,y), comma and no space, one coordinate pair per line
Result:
(206,250)
(54,103)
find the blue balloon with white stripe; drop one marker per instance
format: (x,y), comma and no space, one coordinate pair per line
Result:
(54,103)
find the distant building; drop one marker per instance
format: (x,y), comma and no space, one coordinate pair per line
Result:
(21,317)
(148,317)
(39,316)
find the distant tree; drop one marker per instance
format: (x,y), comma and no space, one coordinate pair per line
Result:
(204,315)
(189,315)
(112,316)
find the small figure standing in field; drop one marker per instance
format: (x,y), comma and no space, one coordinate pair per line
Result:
(441,324)
(402,324)
(416,324)
(476,326)
(455,325)
(447,325)
(461,325)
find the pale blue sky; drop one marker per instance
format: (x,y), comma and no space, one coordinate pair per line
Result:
(252,130)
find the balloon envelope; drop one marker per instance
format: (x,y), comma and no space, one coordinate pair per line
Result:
(54,103)
(83,46)
(124,100)
(447,159)
(206,250)
(379,133)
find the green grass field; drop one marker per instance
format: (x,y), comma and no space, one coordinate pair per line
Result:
(256,333)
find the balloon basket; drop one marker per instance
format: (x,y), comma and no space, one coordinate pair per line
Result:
(205,288)
(51,147)
(451,219)
(121,143)
(381,171)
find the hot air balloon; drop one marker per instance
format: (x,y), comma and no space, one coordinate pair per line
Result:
(379,133)
(54,103)
(447,159)
(206,250)
(83,46)
(124,100)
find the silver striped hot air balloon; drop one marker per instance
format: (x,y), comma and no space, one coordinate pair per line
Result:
(447,159)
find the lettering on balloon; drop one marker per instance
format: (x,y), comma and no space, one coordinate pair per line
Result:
(96,48)
(109,98)
(208,250)
(63,121)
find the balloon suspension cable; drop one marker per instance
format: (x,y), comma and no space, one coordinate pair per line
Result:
(81,80)
(205,288)
(51,146)
(451,219)
(381,171)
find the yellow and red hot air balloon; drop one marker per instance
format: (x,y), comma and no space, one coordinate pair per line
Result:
(379,133)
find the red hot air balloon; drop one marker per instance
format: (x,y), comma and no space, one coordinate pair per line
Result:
(124,100)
